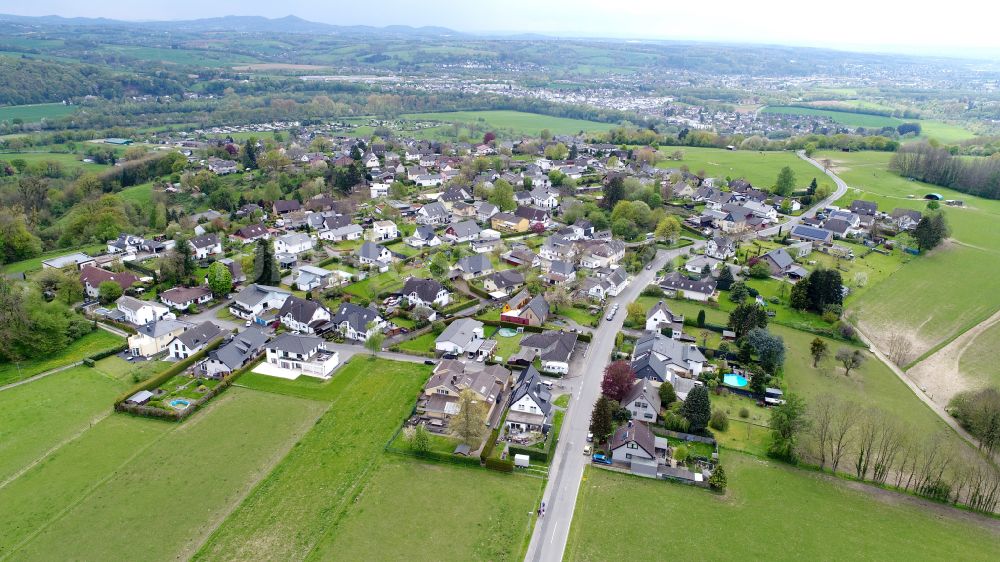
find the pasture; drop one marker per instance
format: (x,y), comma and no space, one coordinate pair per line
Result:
(291,510)
(94,342)
(476,515)
(977,363)
(517,122)
(152,475)
(944,132)
(35,112)
(809,516)
(66,160)
(759,168)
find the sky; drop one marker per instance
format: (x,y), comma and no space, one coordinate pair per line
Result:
(957,27)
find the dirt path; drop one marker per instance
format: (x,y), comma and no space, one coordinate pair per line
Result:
(41,375)
(939,375)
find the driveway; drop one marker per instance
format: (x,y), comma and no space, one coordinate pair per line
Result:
(551,532)
(811,212)
(208,315)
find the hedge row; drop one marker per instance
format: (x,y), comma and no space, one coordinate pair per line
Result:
(175,369)
(458,306)
(502,324)
(127,328)
(499,465)
(480,292)
(537,455)
(108,353)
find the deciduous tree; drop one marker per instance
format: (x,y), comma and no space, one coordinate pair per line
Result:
(469,424)
(618,380)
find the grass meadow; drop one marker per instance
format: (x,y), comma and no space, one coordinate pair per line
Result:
(35,112)
(808,516)
(518,122)
(94,342)
(759,168)
(939,130)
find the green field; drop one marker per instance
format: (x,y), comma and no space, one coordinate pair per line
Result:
(759,168)
(297,505)
(68,160)
(421,344)
(808,517)
(977,361)
(94,342)
(140,194)
(39,416)
(36,112)
(415,511)
(33,264)
(100,495)
(517,122)
(939,130)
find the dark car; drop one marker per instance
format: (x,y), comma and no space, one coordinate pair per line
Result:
(600,459)
(428,361)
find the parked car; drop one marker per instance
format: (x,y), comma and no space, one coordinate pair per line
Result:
(587,449)
(428,362)
(590,437)
(247,323)
(600,459)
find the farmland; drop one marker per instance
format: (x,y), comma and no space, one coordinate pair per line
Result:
(517,122)
(290,511)
(759,168)
(36,112)
(68,160)
(939,130)
(89,344)
(810,516)
(151,474)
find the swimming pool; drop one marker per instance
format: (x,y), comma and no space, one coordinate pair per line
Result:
(733,379)
(179,403)
(506,332)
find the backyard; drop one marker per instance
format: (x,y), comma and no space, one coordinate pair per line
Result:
(809,516)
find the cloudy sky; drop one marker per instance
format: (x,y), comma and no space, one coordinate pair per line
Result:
(954,27)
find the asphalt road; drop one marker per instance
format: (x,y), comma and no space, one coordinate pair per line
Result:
(811,212)
(551,531)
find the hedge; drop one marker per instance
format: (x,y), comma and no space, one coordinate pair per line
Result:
(499,465)
(492,443)
(458,306)
(127,328)
(108,353)
(538,455)
(480,292)
(177,368)
(502,324)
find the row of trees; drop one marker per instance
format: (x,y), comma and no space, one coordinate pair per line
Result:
(926,162)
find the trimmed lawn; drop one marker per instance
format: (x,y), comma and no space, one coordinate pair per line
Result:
(518,122)
(579,315)
(810,516)
(38,416)
(507,346)
(408,511)
(33,264)
(302,499)
(562,401)
(164,475)
(743,436)
(141,194)
(94,342)
(123,370)
(421,344)
(379,283)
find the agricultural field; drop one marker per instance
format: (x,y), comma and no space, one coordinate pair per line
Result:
(519,123)
(492,520)
(36,112)
(141,194)
(152,474)
(90,344)
(810,516)
(977,361)
(291,510)
(944,132)
(68,160)
(759,168)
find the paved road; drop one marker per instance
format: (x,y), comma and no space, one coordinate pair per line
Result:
(209,315)
(551,532)
(811,212)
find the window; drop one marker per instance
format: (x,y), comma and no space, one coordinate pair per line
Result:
(628,456)
(632,445)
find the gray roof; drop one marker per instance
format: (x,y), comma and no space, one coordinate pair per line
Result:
(643,388)
(507,278)
(356,316)
(291,343)
(477,263)
(295,239)
(301,310)
(540,307)
(135,304)
(205,241)
(810,233)
(780,258)
(370,250)
(672,350)
(158,328)
(529,383)
(551,345)
(201,334)
(676,281)
(649,366)
(460,331)
(435,209)
(424,232)
(836,226)
(253,294)
(465,229)
(242,347)
(636,432)
(561,267)
(426,289)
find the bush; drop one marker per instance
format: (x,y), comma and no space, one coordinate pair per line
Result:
(681,453)
(500,465)
(744,413)
(829,317)
(88,362)
(537,455)
(676,422)
(718,479)
(719,421)
(652,291)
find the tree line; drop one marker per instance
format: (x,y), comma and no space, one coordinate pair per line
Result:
(938,166)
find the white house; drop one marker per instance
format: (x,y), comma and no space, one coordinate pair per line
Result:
(632,444)
(311,277)
(423,236)
(255,299)
(181,298)
(139,312)
(303,315)
(207,245)
(643,401)
(660,316)
(289,356)
(357,322)
(194,340)
(295,243)
(530,403)
(379,189)
(372,253)
(460,336)
(384,230)
(426,292)
(720,248)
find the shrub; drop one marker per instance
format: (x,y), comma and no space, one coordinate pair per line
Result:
(744,412)
(846,331)
(829,317)
(652,291)
(718,479)
(681,453)
(500,465)
(719,421)
(676,422)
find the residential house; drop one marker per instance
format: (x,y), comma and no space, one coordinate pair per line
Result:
(310,277)
(193,340)
(534,313)
(180,298)
(222,167)
(464,210)
(356,322)
(77,260)
(595,254)
(154,337)
(375,254)
(679,286)
(507,222)
(485,211)
(235,354)
(290,355)
(555,349)
(560,273)
(721,248)
(677,356)
(252,233)
(439,400)
(634,444)
(781,264)
(698,264)
(810,234)
(861,207)
(501,283)
(235,269)
(462,231)
(906,219)
(423,236)
(425,292)
(660,316)
(126,244)
(521,255)
(254,300)
(473,266)
(138,312)
(530,404)
(460,337)
(283,207)
(303,315)
(433,213)
(293,244)
(518,301)
(91,277)
(643,401)
(537,218)
(207,245)
(384,230)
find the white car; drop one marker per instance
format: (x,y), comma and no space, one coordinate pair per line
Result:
(587,450)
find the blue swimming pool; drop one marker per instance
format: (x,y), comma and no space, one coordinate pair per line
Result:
(179,403)
(733,379)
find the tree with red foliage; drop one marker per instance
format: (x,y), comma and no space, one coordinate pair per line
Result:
(618,379)
(489,137)
(538,228)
